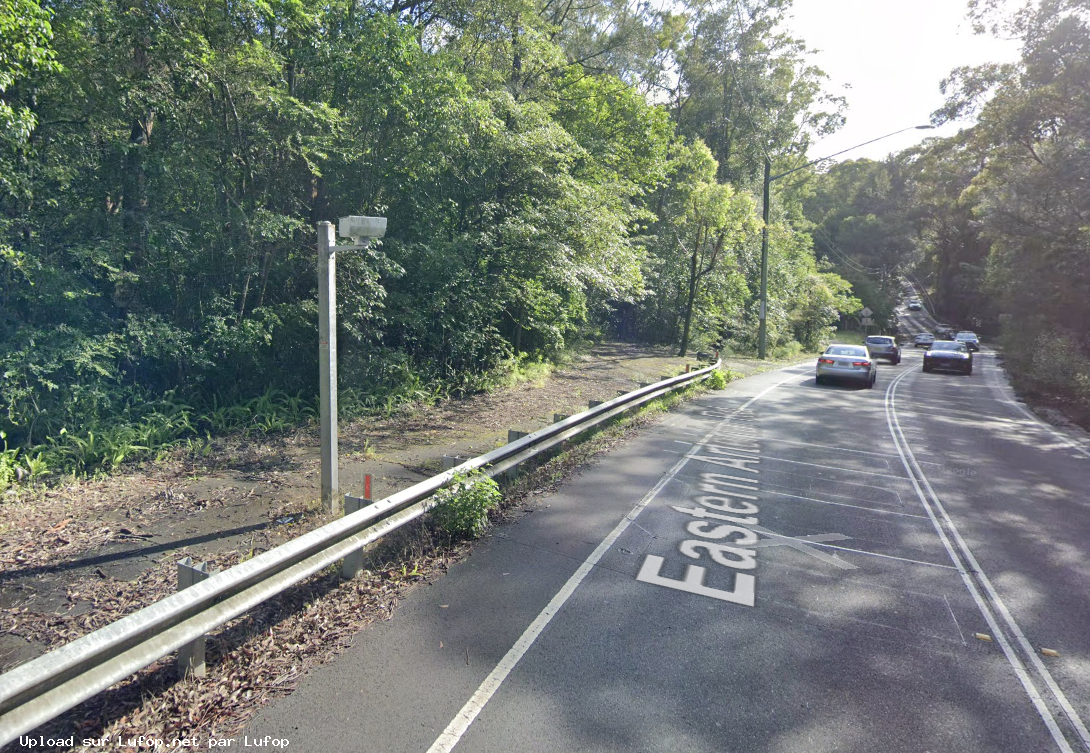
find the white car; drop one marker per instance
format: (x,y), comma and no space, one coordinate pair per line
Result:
(847,362)
(925,339)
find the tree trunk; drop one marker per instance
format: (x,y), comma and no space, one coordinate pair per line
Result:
(691,299)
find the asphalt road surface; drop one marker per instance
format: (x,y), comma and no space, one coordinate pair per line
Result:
(779,566)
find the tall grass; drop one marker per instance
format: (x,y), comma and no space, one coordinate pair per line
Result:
(149,429)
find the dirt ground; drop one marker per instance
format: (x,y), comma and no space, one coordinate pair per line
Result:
(62,547)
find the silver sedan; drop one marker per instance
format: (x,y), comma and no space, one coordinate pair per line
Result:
(924,338)
(847,362)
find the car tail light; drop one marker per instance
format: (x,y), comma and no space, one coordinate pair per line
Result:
(826,360)
(861,363)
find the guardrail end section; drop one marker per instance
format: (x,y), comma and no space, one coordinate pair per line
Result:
(191,655)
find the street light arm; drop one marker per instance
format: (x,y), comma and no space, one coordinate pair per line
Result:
(850,148)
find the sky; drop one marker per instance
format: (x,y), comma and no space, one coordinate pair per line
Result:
(888,57)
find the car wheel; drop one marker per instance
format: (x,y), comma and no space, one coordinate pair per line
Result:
(926,368)
(870,384)
(819,379)
(969,372)
(897,362)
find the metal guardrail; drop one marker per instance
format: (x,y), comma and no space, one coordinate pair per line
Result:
(44,688)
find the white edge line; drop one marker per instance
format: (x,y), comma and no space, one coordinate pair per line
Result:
(1008,650)
(464,718)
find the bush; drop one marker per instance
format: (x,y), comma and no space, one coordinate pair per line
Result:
(1051,364)
(462,508)
(718,380)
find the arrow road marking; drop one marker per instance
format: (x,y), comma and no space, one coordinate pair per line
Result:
(798,543)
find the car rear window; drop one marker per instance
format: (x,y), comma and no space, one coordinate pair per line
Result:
(879,340)
(945,345)
(845,350)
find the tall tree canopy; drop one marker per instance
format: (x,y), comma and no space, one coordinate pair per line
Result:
(550,170)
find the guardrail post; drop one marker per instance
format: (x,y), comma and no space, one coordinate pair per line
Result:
(558,417)
(664,377)
(451,461)
(191,655)
(512,473)
(353,561)
(594,403)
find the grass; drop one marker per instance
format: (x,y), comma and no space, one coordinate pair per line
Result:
(521,371)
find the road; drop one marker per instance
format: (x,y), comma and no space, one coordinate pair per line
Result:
(776,567)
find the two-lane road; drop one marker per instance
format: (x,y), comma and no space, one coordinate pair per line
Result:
(779,566)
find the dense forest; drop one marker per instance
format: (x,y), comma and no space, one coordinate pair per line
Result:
(551,172)
(993,222)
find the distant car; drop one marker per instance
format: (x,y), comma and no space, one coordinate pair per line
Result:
(883,346)
(948,355)
(924,338)
(944,332)
(914,305)
(972,342)
(847,362)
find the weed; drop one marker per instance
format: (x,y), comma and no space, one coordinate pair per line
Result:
(8,464)
(462,508)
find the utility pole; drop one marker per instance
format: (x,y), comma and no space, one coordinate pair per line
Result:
(762,330)
(762,327)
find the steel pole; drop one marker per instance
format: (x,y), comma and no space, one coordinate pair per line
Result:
(762,330)
(327,367)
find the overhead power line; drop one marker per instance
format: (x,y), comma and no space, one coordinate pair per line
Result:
(842,256)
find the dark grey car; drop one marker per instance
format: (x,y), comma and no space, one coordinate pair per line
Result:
(948,355)
(972,342)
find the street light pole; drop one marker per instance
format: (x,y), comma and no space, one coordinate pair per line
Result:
(327,363)
(762,330)
(361,230)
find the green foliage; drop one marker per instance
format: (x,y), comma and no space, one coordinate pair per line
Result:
(717,381)
(1049,364)
(157,270)
(461,509)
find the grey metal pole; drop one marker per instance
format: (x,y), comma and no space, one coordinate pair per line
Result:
(191,655)
(762,329)
(327,366)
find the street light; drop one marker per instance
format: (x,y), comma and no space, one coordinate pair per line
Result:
(762,331)
(361,230)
